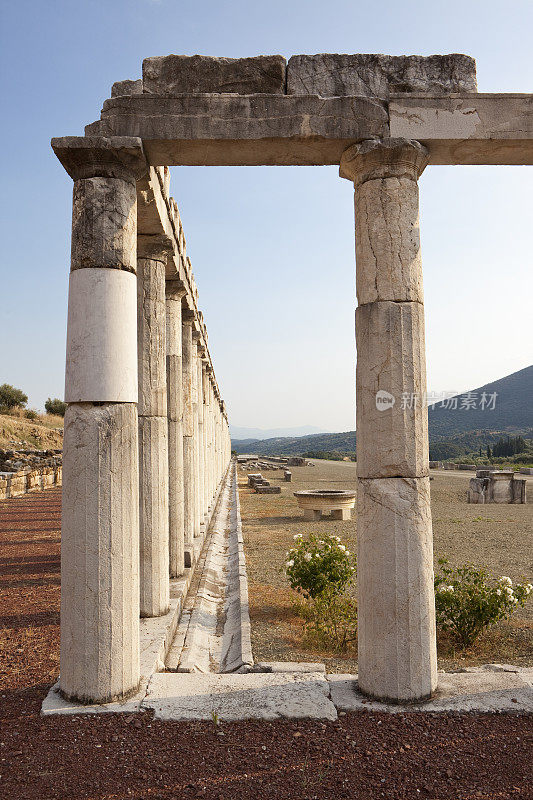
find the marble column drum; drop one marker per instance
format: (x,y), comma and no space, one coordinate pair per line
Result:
(396,611)
(100,513)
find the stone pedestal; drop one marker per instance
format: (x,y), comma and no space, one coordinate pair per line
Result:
(174,293)
(153,252)
(100,516)
(396,629)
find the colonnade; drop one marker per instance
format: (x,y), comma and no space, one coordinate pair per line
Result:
(146,440)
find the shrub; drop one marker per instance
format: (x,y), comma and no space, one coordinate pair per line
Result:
(10,397)
(322,569)
(316,564)
(55,406)
(30,414)
(468,600)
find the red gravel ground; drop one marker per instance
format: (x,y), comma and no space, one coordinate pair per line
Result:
(107,757)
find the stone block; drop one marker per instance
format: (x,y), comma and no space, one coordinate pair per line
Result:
(126,88)
(100,553)
(387,241)
(518,490)
(396,608)
(374,75)
(177,74)
(101,337)
(262,489)
(392,432)
(104,224)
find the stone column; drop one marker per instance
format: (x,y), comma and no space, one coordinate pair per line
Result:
(189,483)
(396,627)
(196,430)
(174,292)
(152,254)
(200,350)
(100,514)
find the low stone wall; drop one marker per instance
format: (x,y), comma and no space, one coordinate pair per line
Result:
(13,484)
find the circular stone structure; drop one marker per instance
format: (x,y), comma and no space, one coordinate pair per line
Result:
(317,501)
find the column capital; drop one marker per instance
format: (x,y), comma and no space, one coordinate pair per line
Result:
(101,157)
(156,247)
(175,289)
(383,158)
(188,316)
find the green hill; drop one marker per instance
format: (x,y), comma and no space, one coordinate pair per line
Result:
(465,428)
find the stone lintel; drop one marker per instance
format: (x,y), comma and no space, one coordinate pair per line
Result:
(177,74)
(383,158)
(467,129)
(154,247)
(217,130)
(100,156)
(245,129)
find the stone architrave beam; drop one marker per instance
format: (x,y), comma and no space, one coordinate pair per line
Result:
(227,130)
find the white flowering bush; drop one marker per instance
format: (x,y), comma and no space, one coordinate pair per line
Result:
(321,569)
(468,600)
(316,564)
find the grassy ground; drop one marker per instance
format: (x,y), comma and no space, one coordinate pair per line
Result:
(499,537)
(43,433)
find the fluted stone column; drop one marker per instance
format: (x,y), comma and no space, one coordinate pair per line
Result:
(152,254)
(189,482)
(100,513)
(174,293)
(396,614)
(205,429)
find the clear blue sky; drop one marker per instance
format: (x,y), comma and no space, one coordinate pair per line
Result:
(272,248)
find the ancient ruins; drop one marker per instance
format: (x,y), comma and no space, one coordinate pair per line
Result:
(146,431)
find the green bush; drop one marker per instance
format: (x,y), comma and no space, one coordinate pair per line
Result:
(468,600)
(321,568)
(55,406)
(31,414)
(319,563)
(10,397)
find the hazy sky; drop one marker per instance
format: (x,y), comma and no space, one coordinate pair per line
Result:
(272,248)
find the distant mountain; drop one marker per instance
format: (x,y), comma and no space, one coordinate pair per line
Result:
(513,408)
(258,434)
(468,425)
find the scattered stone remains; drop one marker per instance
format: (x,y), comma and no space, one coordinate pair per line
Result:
(382,119)
(491,486)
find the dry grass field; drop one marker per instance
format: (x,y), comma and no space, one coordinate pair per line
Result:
(43,433)
(499,537)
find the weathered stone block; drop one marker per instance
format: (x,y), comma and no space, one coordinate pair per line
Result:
(396,608)
(392,420)
(176,74)
(373,75)
(387,241)
(100,553)
(127,87)
(104,224)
